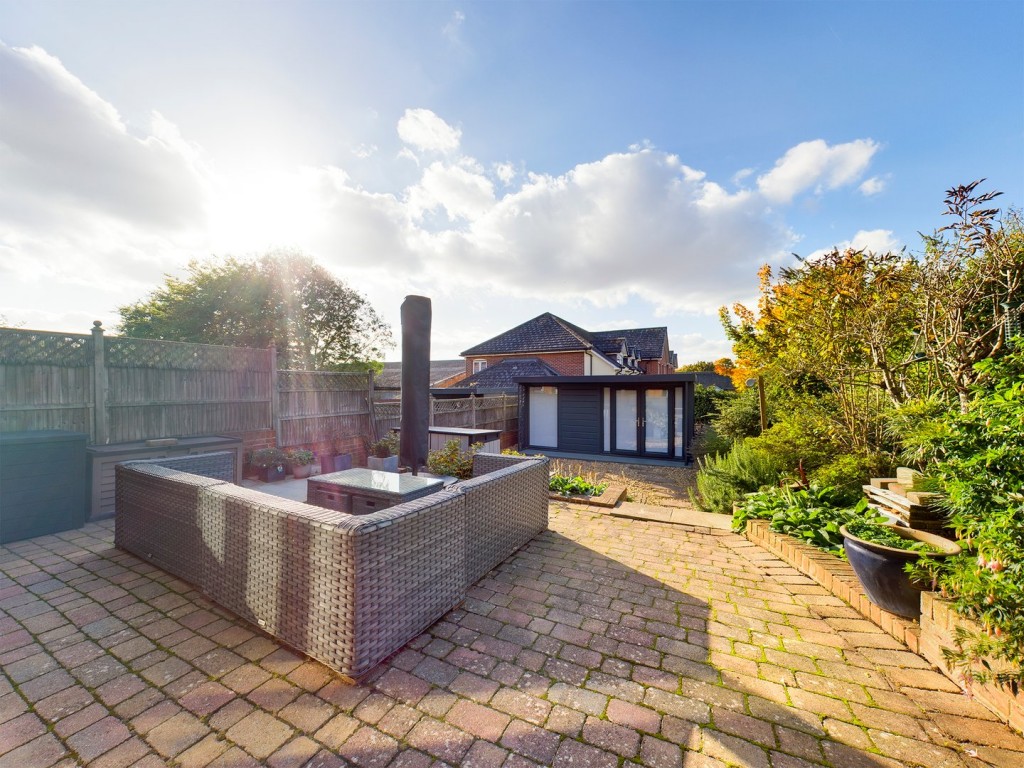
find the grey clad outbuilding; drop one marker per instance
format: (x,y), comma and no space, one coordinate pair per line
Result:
(623,417)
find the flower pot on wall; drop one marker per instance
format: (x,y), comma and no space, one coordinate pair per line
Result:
(880,569)
(385,464)
(301,471)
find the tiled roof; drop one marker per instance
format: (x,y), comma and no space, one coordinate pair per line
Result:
(645,343)
(503,375)
(544,333)
(550,333)
(391,376)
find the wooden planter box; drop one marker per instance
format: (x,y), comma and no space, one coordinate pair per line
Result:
(938,624)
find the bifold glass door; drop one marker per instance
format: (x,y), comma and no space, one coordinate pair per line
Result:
(642,422)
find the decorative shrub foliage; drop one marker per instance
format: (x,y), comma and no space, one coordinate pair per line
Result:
(739,416)
(450,460)
(983,476)
(813,515)
(575,486)
(723,479)
(847,473)
(386,446)
(707,402)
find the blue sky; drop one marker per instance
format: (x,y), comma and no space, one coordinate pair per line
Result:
(618,164)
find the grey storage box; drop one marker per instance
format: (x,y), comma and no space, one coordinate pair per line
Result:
(103,459)
(42,483)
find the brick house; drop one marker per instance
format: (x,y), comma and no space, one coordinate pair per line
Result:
(597,394)
(547,343)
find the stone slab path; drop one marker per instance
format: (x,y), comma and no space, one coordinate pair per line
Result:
(605,642)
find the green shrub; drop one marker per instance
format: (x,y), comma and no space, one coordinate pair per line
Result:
(708,441)
(300,458)
(450,460)
(983,475)
(268,457)
(707,402)
(575,486)
(723,479)
(739,416)
(813,515)
(848,473)
(386,446)
(801,437)
(886,536)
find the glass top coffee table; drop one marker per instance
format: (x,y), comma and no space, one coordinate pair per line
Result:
(361,491)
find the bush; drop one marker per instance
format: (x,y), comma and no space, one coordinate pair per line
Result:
(723,479)
(707,401)
(300,458)
(268,457)
(708,441)
(983,475)
(803,436)
(848,472)
(813,515)
(386,446)
(450,460)
(739,416)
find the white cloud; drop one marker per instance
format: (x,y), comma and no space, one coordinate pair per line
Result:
(692,347)
(422,129)
(463,192)
(364,151)
(63,147)
(872,186)
(506,172)
(816,164)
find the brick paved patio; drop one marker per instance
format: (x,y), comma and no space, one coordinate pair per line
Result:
(605,642)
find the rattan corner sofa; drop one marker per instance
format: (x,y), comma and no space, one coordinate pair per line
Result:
(346,590)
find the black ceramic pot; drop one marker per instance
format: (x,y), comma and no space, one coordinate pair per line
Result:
(880,568)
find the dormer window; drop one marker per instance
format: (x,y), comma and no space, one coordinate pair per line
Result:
(479,365)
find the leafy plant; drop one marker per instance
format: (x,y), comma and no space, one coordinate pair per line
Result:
(386,446)
(739,416)
(848,472)
(451,460)
(300,457)
(983,476)
(886,536)
(268,457)
(813,515)
(723,479)
(707,402)
(575,486)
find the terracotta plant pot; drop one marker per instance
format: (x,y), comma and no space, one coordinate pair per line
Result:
(880,569)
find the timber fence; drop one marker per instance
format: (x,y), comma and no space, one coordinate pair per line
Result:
(120,389)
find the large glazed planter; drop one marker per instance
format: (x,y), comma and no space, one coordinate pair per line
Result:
(881,568)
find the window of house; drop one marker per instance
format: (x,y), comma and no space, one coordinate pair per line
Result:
(479,365)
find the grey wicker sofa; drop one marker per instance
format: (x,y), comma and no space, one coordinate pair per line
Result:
(346,590)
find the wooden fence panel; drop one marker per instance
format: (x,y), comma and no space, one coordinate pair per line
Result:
(165,388)
(315,406)
(45,381)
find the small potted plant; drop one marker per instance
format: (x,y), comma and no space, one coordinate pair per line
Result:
(880,553)
(384,454)
(270,463)
(301,463)
(335,460)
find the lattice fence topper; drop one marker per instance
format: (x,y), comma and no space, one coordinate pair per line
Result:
(20,347)
(452,406)
(321,381)
(123,352)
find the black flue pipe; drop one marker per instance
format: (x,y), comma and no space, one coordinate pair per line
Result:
(413,446)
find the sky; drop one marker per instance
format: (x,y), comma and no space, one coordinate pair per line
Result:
(617,164)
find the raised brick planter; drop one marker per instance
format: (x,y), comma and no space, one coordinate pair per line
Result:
(938,623)
(927,638)
(836,576)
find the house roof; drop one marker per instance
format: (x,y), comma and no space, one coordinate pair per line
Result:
(440,370)
(643,343)
(504,376)
(550,333)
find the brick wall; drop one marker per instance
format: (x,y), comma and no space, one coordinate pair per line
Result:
(566,363)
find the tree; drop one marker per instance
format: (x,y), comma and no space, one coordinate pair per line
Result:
(284,299)
(972,276)
(701,366)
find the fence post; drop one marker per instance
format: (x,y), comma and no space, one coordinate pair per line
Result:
(371,409)
(433,407)
(472,411)
(275,396)
(101,429)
